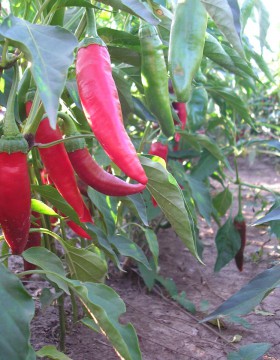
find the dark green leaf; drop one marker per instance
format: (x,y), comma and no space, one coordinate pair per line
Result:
(124,55)
(48,67)
(205,167)
(142,111)
(5,86)
(137,205)
(234,7)
(167,193)
(52,195)
(127,247)
(153,244)
(250,352)
(223,201)
(47,298)
(119,38)
(201,195)
(72,88)
(148,276)
(48,262)
(247,298)
(123,83)
(228,243)
(90,324)
(184,302)
(17,311)
(51,352)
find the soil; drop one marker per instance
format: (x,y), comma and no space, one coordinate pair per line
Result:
(166,331)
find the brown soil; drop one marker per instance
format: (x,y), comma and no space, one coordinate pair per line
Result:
(165,330)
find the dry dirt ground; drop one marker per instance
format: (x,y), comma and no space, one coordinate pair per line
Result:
(168,332)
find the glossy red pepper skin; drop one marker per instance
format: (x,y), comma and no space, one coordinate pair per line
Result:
(100,101)
(182,114)
(15,204)
(240,226)
(96,177)
(58,166)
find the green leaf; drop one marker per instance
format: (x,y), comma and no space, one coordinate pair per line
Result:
(5,86)
(148,276)
(48,262)
(205,167)
(17,311)
(232,100)
(85,265)
(102,202)
(223,201)
(228,243)
(42,208)
(273,215)
(167,193)
(264,23)
(124,55)
(47,298)
(152,241)
(113,37)
(201,194)
(90,324)
(221,13)
(137,205)
(247,298)
(127,247)
(246,11)
(134,7)
(250,352)
(51,352)
(184,302)
(235,10)
(53,196)
(105,307)
(123,83)
(48,67)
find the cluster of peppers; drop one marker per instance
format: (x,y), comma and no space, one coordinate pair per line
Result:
(101,105)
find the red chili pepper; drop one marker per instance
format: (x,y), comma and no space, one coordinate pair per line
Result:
(89,170)
(15,204)
(182,114)
(34,240)
(14,199)
(240,225)
(100,101)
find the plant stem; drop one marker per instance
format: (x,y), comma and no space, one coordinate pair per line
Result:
(81,26)
(41,9)
(35,116)
(62,323)
(42,146)
(4,53)
(10,128)
(75,315)
(144,138)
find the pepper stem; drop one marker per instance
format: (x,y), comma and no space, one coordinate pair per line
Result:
(69,128)
(10,128)
(91,23)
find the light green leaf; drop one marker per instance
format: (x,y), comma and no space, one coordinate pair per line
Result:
(221,13)
(90,324)
(85,265)
(48,262)
(127,247)
(49,68)
(17,311)
(153,244)
(250,352)
(167,193)
(223,201)
(51,352)
(246,11)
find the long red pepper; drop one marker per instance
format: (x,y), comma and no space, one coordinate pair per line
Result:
(15,204)
(182,114)
(60,171)
(240,225)
(101,104)
(89,170)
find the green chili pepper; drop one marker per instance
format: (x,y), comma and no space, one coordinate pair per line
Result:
(155,78)
(197,108)
(187,39)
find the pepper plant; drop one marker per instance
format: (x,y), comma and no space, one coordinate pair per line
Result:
(109,108)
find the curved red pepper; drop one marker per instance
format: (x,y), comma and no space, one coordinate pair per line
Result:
(15,202)
(96,177)
(100,101)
